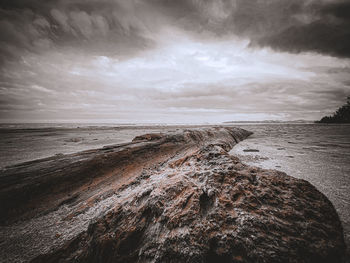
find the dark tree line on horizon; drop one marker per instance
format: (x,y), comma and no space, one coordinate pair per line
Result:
(342,115)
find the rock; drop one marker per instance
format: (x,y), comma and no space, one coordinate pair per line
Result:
(181,198)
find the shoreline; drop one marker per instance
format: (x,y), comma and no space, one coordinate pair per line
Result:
(45,141)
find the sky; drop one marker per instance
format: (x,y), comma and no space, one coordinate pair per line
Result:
(167,61)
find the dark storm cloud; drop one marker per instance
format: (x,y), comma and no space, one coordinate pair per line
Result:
(108,27)
(293,26)
(324,30)
(340,10)
(104,27)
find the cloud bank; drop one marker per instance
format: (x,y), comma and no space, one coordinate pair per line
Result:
(173,61)
(294,26)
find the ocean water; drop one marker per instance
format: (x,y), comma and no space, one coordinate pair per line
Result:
(317,153)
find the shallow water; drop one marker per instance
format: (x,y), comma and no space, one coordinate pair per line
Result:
(317,153)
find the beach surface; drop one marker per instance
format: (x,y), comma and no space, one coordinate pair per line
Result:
(314,153)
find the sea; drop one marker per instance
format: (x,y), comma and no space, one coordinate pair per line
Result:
(318,153)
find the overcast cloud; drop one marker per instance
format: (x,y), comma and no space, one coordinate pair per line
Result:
(173,61)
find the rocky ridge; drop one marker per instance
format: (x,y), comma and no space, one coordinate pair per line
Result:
(177,197)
